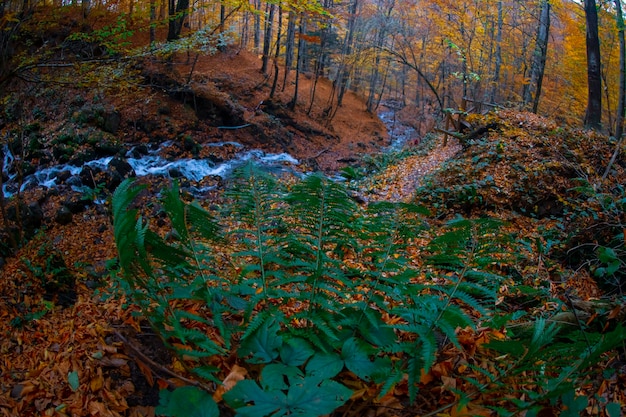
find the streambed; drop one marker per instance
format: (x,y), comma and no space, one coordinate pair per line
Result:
(140,161)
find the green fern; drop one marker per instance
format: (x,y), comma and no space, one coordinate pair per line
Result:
(306,282)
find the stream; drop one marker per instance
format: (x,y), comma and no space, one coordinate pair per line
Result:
(152,162)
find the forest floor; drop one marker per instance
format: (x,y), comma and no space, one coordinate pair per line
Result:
(52,328)
(68,347)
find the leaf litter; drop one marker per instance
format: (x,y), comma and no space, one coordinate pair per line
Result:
(69,360)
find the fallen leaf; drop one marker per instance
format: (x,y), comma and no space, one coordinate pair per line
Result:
(237,373)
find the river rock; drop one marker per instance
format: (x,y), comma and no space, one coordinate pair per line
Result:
(89,176)
(64,175)
(77,203)
(138,151)
(63,215)
(30,217)
(117,171)
(112,121)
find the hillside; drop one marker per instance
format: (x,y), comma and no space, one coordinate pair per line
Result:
(73,346)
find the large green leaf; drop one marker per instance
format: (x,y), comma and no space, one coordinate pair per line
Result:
(263,344)
(265,403)
(356,355)
(187,402)
(295,352)
(308,398)
(312,400)
(324,366)
(273,376)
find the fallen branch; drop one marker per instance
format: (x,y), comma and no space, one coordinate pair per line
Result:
(161,368)
(447,132)
(320,153)
(234,127)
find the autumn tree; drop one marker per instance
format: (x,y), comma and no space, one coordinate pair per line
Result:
(621,107)
(593,115)
(177,13)
(532,90)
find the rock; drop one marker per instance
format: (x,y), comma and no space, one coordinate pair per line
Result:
(74,181)
(89,176)
(63,176)
(30,216)
(112,121)
(174,173)
(77,203)
(63,216)
(117,171)
(35,214)
(138,151)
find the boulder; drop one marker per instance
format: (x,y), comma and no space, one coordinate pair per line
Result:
(63,215)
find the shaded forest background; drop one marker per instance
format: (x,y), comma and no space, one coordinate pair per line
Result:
(436,56)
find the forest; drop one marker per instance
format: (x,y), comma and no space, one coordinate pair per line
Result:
(312,208)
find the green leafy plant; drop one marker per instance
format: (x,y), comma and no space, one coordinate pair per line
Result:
(308,287)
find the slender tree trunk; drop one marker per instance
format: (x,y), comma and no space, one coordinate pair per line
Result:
(162,8)
(131,11)
(222,17)
(532,90)
(277,53)
(257,25)
(593,115)
(245,30)
(152,22)
(621,107)
(374,75)
(289,45)
(86,5)
(320,62)
(267,38)
(301,31)
(498,57)
(177,18)
(344,72)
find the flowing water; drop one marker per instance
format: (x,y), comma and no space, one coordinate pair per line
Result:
(151,164)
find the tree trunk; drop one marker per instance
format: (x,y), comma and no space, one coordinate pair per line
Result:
(344,72)
(301,31)
(532,90)
(257,25)
(222,17)
(177,18)
(289,45)
(320,62)
(267,38)
(498,58)
(244,30)
(621,107)
(277,53)
(593,115)
(152,22)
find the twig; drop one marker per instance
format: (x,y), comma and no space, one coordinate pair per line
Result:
(155,365)
(447,132)
(234,127)
(320,153)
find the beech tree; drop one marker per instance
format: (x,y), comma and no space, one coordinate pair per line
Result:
(593,115)
(177,13)
(532,90)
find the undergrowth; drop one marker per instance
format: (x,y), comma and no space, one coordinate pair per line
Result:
(317,296)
